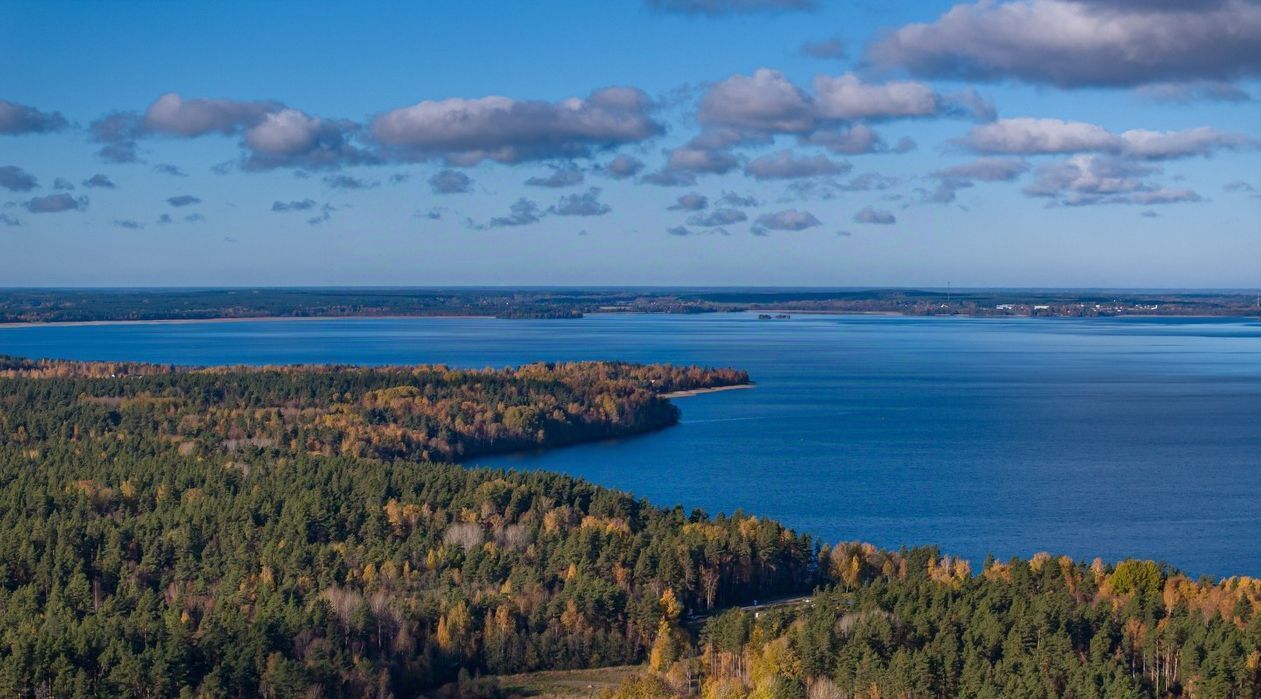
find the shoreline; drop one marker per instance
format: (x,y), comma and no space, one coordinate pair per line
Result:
(980,316)
(224,319)
(702,391)
(811,312)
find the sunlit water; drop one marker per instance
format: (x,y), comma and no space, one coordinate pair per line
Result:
(1114,438)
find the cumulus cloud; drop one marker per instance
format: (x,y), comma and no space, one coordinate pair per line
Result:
(183,200)
(830,188)
(1031,136)
(854,140)
(870,215)
(701,160)
(1239,186)
(99,181)
(169,169)
(754,109)
(786,220)
(302,205)
(742,200)
(521,213)
(17,119)
(326,214)
(118,132)
(450,182)
(766,101)
(690,202)
(350,182)
(128,224)
(1193,91)
(971,103)
(715,8)
(55,203)
(563,176)
(272,135)
(467,131)
(847,97)
(682,231)
(584,204)
(1027,135)
(1160,145)
(7,220)
(669,178)
(63,184)
(1076,43)
(785,165)
(15,179)
(290,138)
(833,48)
(950,180)
(986,169)
(122,152)
(623,166)
(866,182)
(173,115)
(1102,179)
(718,217)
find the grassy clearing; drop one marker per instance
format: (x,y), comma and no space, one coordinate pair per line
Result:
(567,683)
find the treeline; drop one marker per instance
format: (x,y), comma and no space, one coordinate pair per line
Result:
(916,624)
(83,305)
(425,412)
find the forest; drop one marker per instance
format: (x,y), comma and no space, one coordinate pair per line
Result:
(301,532)
(418,412)
(915,623)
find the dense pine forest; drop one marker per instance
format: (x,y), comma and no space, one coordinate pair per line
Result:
(918,624)
(292,532)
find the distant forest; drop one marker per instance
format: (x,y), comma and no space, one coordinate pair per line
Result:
(87,305)
(291,532)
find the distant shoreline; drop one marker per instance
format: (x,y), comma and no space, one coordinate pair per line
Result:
(701,391)
(465,316)
(226,319)
(986,316)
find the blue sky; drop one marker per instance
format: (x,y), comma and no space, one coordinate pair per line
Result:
(1023,143)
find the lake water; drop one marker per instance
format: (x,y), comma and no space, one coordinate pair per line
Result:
(1112,438)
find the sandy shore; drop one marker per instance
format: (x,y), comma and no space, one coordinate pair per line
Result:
(700,391)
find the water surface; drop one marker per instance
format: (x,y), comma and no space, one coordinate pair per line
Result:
(1108,437)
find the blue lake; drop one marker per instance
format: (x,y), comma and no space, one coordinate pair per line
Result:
(1105,437)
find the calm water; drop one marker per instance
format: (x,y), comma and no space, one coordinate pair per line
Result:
(1100,437)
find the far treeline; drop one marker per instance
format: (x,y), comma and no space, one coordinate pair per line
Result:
(88,305)
(279,532)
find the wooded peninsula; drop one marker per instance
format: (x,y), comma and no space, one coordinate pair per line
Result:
(304,532)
